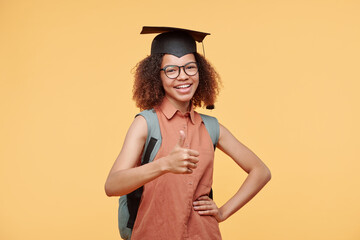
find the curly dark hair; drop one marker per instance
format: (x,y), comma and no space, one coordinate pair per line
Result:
(148,91)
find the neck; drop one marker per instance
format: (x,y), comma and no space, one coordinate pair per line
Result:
(183,107)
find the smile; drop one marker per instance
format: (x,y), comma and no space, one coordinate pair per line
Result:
(183,86)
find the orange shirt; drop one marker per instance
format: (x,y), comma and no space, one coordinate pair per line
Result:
(166,210)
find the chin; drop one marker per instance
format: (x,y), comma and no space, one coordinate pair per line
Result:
(184,98)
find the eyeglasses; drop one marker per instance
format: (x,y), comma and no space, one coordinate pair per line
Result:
(173,71)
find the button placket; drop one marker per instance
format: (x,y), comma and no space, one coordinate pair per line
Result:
(186,139)
(185,128)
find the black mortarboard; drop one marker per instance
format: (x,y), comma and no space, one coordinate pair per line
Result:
(175,41)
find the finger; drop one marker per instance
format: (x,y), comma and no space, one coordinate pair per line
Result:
(187,167)
(202,202)
(204,208)
(191,165)
(192,152)
(208,212)
(192,159)
(203,197)
(187,156)
(181,139)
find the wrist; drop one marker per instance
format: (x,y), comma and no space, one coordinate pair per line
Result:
(163,166)
(222,216)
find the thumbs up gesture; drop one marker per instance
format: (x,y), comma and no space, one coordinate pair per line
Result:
(181,160)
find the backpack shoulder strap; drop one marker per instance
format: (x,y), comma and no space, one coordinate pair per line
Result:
(213,128)
(152,145)
(153,140)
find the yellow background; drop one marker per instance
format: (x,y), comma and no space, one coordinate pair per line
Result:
(291,75)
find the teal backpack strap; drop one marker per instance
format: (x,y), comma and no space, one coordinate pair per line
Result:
(128,204)
(151,146)
(213,128)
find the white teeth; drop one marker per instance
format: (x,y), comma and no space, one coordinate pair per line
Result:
(183,86)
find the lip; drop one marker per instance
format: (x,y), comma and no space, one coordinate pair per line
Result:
(183,90)
(183,84)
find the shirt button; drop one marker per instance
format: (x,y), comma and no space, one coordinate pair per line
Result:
(190,183)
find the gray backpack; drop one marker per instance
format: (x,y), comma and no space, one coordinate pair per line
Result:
(129,204)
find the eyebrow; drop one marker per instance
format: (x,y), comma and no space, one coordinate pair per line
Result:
(178,65)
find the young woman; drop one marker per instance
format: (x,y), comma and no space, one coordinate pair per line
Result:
(175,203)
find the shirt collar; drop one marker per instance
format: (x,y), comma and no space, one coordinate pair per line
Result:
(169,110)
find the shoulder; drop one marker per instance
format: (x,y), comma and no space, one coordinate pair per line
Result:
(228,143)
(208,117)
(224,132)
(209,120)
(139,127)
(147,114)
(212,126)
(133,145)
(149,117)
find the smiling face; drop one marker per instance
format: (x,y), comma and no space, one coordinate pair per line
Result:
(179,90)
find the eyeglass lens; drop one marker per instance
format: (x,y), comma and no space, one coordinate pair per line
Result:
(173,71)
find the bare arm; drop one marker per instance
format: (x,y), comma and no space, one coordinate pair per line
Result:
(125,176)
(258,176)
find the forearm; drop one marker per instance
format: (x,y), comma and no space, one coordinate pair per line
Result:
(255,181)
(125,181)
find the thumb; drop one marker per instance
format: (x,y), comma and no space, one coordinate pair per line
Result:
(181,139)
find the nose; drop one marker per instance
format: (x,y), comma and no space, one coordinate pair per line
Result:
(182,74)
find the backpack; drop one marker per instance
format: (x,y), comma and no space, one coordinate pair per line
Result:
(129,204)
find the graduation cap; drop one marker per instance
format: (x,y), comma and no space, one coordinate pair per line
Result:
(175,41)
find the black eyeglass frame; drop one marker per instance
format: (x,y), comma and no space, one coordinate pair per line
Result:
(197,66)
